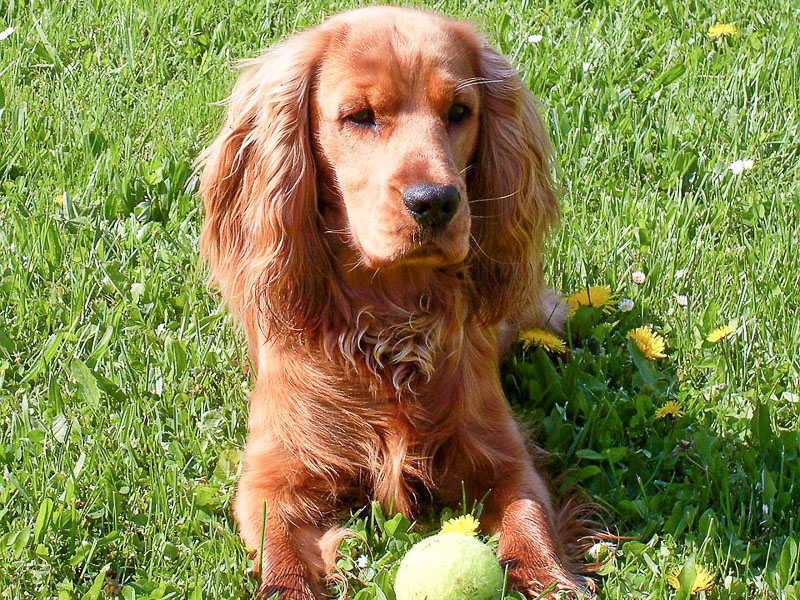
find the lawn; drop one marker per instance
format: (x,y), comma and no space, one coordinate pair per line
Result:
(123,399)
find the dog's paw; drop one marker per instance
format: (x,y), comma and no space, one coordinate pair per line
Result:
(286,587)
(529,550)
(534,581)
(559,586)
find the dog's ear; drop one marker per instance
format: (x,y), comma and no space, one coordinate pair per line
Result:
(512,191)
(262,234)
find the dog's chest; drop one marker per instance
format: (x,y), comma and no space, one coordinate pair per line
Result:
(409,384)
(400,354)
(412,435)
(403,461)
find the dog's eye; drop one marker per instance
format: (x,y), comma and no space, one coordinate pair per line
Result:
(365,117)
(457,113)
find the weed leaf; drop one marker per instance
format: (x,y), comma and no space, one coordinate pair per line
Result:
(87,383)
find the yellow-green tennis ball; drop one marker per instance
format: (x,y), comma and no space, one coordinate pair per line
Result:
(449,566)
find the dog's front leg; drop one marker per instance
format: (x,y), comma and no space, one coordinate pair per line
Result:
(274,516)
(519,507)
(529,547)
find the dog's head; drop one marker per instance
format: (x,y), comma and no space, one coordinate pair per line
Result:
(383,138)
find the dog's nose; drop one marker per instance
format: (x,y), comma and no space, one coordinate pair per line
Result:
(432,206)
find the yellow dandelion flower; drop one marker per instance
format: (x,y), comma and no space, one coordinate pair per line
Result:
(651,344)
(543,339)
(465,525)
(723,30)
(720,333)
(59,199)
(670,409)
(599,296)
(703,579)
(672,579)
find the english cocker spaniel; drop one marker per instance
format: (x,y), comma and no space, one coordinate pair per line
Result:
(375,207)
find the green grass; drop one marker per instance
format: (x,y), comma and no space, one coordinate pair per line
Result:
(122,397)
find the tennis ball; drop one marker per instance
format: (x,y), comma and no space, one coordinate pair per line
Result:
(449,566)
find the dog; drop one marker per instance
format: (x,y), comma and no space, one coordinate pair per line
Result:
(375,208)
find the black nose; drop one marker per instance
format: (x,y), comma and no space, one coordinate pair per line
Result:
(432,205)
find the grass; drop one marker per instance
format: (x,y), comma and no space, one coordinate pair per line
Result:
(122,397)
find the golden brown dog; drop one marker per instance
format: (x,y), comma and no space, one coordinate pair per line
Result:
(375,208)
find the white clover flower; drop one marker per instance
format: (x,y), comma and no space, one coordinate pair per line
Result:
(682,300)
(626,305)
(535,38)
(6,34)
(137,289)
(586,67)
(765,509)
(363,561)
(638,277)
(600,549)
(738,167)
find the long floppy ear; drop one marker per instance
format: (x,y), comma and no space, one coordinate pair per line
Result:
(512,193)
(262,233)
